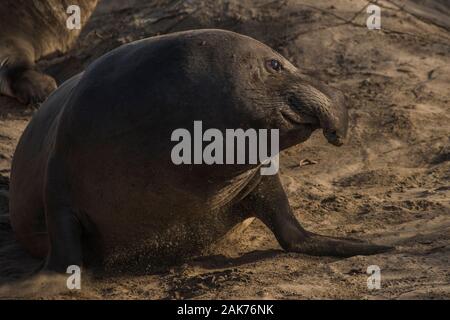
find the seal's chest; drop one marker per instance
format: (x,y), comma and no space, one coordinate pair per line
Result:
(179,242)
(180,229)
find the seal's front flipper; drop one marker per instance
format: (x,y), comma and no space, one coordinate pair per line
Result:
(31,86)
(64,231)
(270,204)
(318,245)
(20,80)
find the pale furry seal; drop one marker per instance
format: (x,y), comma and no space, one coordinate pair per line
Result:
(92,174)
(30,30)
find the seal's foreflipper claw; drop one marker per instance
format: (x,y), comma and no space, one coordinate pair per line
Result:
(4,62)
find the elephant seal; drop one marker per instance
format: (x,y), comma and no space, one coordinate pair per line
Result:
(92,175)
(40,31)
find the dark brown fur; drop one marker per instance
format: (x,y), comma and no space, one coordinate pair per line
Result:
(30,30)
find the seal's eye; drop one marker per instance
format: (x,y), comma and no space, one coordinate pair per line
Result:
(274,65)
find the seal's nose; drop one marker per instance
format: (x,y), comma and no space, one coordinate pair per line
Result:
(327,104)
(334,137)
(335,124)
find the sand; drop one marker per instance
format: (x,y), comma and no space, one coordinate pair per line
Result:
(389,184)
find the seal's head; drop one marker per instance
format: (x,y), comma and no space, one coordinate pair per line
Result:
(265,90)
(288,99)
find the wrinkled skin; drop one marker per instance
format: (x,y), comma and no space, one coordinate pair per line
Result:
(104,186)
(40,31)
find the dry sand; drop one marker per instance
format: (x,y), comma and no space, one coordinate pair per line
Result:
(389,184)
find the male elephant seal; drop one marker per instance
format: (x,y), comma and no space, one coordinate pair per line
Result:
(30,30)
(92,176)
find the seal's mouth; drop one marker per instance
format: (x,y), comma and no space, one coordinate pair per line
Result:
(294,114)
(297,119)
